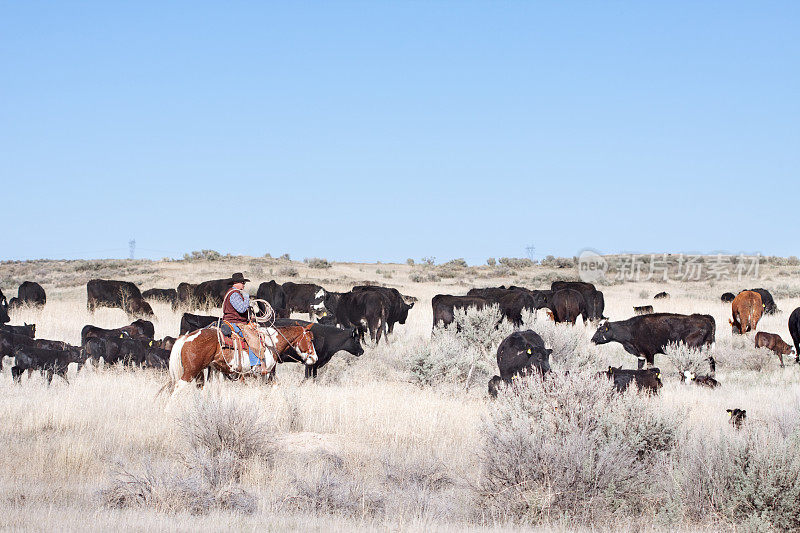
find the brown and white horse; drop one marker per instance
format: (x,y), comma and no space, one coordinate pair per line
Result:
(195,351)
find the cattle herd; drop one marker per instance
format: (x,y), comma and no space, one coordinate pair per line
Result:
(343,320)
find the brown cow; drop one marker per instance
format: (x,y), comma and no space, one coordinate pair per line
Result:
(775,343)
(746,309)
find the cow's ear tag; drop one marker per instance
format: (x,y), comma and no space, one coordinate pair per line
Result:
(529,351)
(120,335)
(730,413)
(151,343)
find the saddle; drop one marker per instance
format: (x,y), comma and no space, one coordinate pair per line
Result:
(231,339)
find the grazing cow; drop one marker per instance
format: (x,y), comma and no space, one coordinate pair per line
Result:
(567,305)
(648,380)
(211,293)
(155,357)
(520,354)
(646,335)
(4,309)
(185,296)
(273,293)
(29,293)
(45,360)
(138,329)
(513,300)
(115,349)
(794,331)
(365,311)
(775,343)
(444,306)
(595,303)
(305,298)
(28,330)
(119,294)
(190,322)
(643,310)
(767,300)
(661,296)
(737,417)
(328,341)
(727,297)
(746,309)
(397,307)
(167,296)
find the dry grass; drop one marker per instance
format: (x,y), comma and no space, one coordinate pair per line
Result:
(366,446)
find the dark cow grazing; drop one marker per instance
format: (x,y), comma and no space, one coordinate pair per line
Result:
(746,309)
(595,303)
(567,305)
(643,310)
(156,358)
(444,306)
(646,335)
(365,311)
(648,381)
(29,293)
(28,330)
(737,417)
(727,297)
(521,353)
(190,322)
(305,298)
(397,306)
(273,293)
(767,300)
(661,296)
(794,331)
(113,350)
(513,300)
(328,341)
(138,329)
(164,344)
(10,340)
(775,343)
(4,309)
(211,293)
(48,361)
(117,294)
(185,296)
(167,296)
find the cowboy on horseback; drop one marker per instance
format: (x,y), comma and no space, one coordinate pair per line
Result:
(235,311)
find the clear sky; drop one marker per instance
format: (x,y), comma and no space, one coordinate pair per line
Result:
(385,130)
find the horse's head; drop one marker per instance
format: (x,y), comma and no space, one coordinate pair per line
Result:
(304,345)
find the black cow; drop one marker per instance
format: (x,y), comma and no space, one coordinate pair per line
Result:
(118,294)
(396,306)
(567,304)
(327,340)
(520,354)
(168,296)
(273,293)
(190,322)
(661,296)
(727,297)
(4,309)
(138,329)
(115,349)
(595,302)
(646,335)
(646,380)
(643,310)
(29,330)
(514,300)
(184,296)
(45,360)
(10,340)
(365,311)
(155,357)
(770,307)
(304,298)
(737,417)
(794,331)
(444,306)
(29,293)
(211,293)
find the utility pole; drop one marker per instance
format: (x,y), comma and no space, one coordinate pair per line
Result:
(530,250)
(132,247)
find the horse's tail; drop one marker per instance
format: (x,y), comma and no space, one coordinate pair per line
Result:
(175,366)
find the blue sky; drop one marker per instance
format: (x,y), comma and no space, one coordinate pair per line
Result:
(385,130)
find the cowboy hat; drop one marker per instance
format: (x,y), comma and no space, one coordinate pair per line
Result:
(238,278)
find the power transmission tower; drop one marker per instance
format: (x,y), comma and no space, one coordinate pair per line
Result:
(530,250)
(132,247)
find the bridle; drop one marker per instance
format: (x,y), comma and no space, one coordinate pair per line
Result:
(304,334)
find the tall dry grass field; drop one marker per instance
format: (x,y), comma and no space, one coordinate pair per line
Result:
(402,437)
